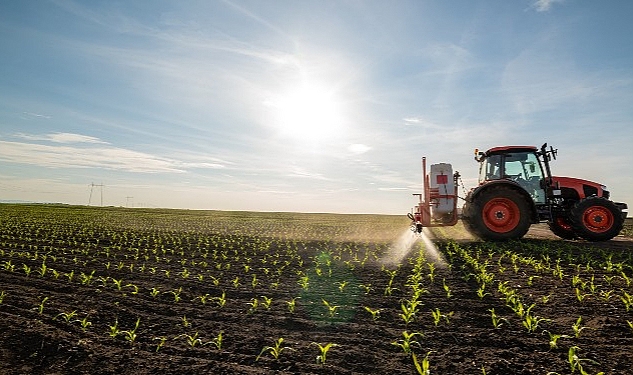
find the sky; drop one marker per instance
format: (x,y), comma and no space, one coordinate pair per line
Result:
(309,106)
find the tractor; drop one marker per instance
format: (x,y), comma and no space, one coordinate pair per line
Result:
(516,189)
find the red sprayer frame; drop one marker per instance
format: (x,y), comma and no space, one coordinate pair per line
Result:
(422,215)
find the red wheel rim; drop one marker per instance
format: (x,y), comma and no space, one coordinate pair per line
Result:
(597,219)
(501,215)
(563,223)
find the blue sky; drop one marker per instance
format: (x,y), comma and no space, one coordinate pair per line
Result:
(314,106)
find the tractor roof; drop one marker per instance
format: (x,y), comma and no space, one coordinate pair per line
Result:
(508,149)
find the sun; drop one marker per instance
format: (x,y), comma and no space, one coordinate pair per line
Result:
(308,112)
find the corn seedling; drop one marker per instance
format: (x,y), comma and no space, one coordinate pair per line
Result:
(375,314)
(292,304)
(161,342)
(267,301)
(66,316)
(185,322)
(221,300)
(26,269)
(84,323)
(304,282)
(217,341)
(496,320)
(531,322)
(114,329)
(407,342)
(575,362)
(131,335)
(203,299)
(331,308)
(132,286)
(577,328)
(409,308)
(423,368)
(275,351)
(154,292)
(553,339)
(322,357)
(254,304)
(192,340)
(449,294)
(437,316)
(40,308)
(627,299)
(176,294)
(342,285)
(117,283)
(2,295)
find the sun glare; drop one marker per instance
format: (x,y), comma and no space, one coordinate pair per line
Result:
(308,113)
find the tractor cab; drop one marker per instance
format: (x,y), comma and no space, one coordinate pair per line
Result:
(519,164)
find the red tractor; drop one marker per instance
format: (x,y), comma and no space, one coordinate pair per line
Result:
(516,189)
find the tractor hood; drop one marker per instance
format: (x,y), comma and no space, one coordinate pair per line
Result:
(584,188)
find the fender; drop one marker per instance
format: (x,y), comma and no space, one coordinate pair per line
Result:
(484,186)
(582,188)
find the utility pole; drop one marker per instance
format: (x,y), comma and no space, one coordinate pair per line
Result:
(127,201)
(92,186)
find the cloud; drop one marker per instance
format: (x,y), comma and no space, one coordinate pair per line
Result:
(61,138)
(544,5)
(358,148)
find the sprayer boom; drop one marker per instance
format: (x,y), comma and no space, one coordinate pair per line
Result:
(437,206)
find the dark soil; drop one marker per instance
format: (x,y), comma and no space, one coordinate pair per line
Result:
(178,299)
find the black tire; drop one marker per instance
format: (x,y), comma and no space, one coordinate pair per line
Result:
(596,219)
(499,213)
(561,227)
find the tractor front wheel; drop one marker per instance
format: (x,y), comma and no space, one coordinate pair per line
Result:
(596,219)
(499,213)
(561,227)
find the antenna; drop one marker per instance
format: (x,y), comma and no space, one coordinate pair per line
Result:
(92,186)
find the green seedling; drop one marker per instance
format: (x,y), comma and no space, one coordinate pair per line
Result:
(114,329)
(322,357)
(331,308)
(275,350)
(407,342)
(375,314)
(40,308)
(131,334)
(423,368)
(161,342)
(292,304)
(577,328)
(267,301)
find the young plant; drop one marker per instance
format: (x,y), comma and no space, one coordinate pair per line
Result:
(217,341)
(40,308)
(221,300)
(275,350)
(131,334)
(322,357)
(84,323)
(407,342)
(575,362)
(331,308)
(161,342)
(437,316)
(375,314)
(553,339)
(66,316)
(114,329)
(577,327)
(424,367)
(496,320)
(267,301)
(449,294)
(2,295)
(292,304)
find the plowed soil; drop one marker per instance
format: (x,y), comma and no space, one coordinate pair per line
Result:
(115,270)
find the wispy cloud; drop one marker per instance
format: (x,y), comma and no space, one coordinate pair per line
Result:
(60,138)
(545,5)
(91,152)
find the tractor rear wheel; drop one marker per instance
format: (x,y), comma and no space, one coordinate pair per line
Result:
(499,213)
(596,219)
(561,227)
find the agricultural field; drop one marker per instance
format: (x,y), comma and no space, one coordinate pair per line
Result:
(134,291)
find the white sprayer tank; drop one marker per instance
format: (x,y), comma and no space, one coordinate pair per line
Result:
(441,183)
